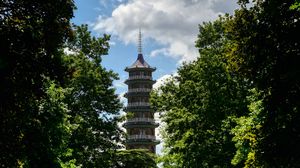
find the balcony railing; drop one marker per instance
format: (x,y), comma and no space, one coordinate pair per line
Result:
(139,90)
(140,77)
(138,104)
(145,122)
(136,137)
(141,120)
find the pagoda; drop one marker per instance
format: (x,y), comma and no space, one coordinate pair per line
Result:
(140,126)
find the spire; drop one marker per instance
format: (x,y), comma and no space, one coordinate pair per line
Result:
(140,62)
(140,42)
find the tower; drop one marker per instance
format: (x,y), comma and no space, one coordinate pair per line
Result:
(141,126)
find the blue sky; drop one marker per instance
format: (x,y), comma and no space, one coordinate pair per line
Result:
(169,29)
(121,53)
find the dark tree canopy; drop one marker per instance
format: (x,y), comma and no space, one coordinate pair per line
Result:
(134,158)
(268,51)
(29,59)
(197,102)
(93,104)
(58,107)
(238,103)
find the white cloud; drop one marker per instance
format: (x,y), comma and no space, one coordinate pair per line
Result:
(161,51)
(162,80)
(119,83)
(171,23)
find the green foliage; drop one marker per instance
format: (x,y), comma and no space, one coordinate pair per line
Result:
(33,119)
(51,125)
(93,104)
(296,5)
(235,106)
(247,133)
(266,51)
(57,109)
(195,103)
(242,91)
(134,158)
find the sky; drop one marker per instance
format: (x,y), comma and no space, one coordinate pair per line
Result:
(169,31)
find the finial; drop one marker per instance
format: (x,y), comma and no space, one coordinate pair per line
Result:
(140,42)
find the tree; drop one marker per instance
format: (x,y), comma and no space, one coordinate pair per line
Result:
(93,104)
(266,51)
(245,86)
(247,133)
(134,158)
(197,103)
(31,70)
(57,109)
